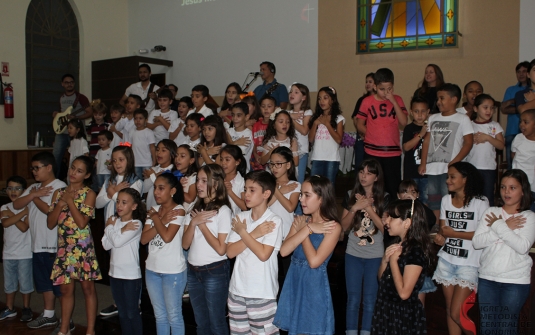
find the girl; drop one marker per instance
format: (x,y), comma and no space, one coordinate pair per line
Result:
(506,235)
(233,164)
(398,309)
(186,163)
(305,304)
(208,266)
(365,247)
(121,236)
(488,136)
(79,145)
(165,157)
(299,109)
(433,78)
(326,131)
(267,106)
(254,108)
(165,273)
(458,262)
(280,132)
(232,95)
(471,91)
(71,210)
(177,129)
(359,143)
(193,129)
(213,138)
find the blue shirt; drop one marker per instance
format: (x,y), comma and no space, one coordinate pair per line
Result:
(513,120)
(280,94)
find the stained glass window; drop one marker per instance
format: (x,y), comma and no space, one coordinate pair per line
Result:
(396,25)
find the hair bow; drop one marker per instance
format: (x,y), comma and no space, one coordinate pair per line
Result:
(248,94)
(202,119)
(176,173)
(274,114)
(125,144)
(332,89)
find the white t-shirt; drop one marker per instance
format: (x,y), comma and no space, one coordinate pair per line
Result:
(191,180)
(137,89)
(166,257)
(124,259)
(524,160)
(103,158)
(462,110)
(181,138)
(287,217)
(103,200)
(483,156)
(446,140)
(302,140)
(200,252)
(238,187)
(116,139)
(17,244)
(247,150)
(204,111)
(160,132)
(455,250)
(148,184)
(78,147)
(43,239)
(252,278)
(125,126)
(325,147)
(141,141)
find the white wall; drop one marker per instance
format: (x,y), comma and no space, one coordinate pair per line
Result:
(527,27)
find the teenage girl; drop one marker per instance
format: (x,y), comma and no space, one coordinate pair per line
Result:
(71,210)
(194,129)
(186,163)
(488,136)
(213,138)
(505,234)
(280,132)
(471,91)
(299,109)
(165,157)
(458,262)
(233,164)
(121,236)
(208,266)
(78,146)
(403,268)
(365,247)
(232,95)
(326,131)
(305,304)
(165,273)
(267,107)
(359,142)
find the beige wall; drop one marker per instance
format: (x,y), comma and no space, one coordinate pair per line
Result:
(488,52)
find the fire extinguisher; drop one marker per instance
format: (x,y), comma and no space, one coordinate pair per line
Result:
(8,101)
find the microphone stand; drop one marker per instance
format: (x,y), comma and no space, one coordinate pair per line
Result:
(245,86)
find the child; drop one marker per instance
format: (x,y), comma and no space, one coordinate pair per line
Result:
(160,119)
(362,215)
(194,129)
(199,96)
(470,92)
(305,304)
(506,235)
(166,267)
(326,131)
(97,125)
(165,157)
(280,132)
(523,148)
(359,143)
(254,107)
(103,157)
(233,164)
(121,236)
(213,138)
(458,262)
(239,134)
(78,146)
(186,163)
(232,96)
(267,105)
(379,119)
(70,212)
(208,267)
(452,136)
(402,272)
(254,285)
(17,252)
(413,138)
(38,198)
(488,136)
(176,130)
(142,141)
(126,124)
(116,112)
(299,109)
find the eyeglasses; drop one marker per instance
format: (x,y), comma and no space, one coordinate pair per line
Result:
(13,189)
(278,165)
(36,168)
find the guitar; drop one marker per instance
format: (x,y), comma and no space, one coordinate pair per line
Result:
(61,120)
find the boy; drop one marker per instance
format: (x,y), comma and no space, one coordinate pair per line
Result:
(142,141)
(96,126)
(17,253)
(523,148)
(38,198)
(448,140)
(177,131)
(254,285)
(160,119)
(378,122)
(116,113)
(126,124)
(240,135)
(193,129)
(103,157)
(199,96)
(413,137)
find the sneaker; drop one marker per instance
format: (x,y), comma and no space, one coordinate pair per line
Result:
(186,294)
(27,315)
(7,313)
(110,310)
(41,321)
(58,328)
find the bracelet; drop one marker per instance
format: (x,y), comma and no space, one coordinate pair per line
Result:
(420,137)
(310,232)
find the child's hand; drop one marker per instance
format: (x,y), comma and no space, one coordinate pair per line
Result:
(421,169)
(121,186)
(491,218)
(213,150)
(423,132)
(67,197)
(112,128)
(202,217)
(111,221)
(147,173)
(324,120)
(446,231)
(299,222)
(396,253)
(390,251)
(239,226)
(297,116)
(362,202)
(130,226)
(515,222)
(184,181)
(273,146)
(322,227)
(439,239)
(480,137)
(228,185)
(250,123)
(287,188)
(169,216)
(41,191)
(243,141)
(263,229)
(390,95)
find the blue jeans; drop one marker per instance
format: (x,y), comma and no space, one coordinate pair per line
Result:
(165,292)
(361,281)
(500,305)
(61,143)
(208,293)
(126,296)
(327,169)
(139,172)
(489,181)
(422,189)
(302,168)
(508,141)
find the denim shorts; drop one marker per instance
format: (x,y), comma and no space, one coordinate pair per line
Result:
(428,286)
(436,189)
(18,272)
(42,269)
(451,274)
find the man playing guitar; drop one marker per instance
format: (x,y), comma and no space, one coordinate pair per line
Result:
(144,88)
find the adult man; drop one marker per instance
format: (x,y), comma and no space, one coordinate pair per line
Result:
(270,85)
(144,88)
(71,98)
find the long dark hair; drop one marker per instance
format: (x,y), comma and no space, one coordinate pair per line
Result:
(225,105)
(440,80)
(237,154)
(89,164)
(287,154)
(521,177)
(174,182)
(170,145)
(335,108)
(130,172)
(251,99)
(271,132)
(78,124)
(216,180)
(140,213)
(220,132)
(192,154)
(474,182)
(325,190)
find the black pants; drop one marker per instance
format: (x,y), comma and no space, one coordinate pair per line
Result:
(391,171)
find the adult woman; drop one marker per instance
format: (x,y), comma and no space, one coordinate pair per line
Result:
(433,79)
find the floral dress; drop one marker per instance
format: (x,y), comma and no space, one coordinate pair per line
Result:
(75,258)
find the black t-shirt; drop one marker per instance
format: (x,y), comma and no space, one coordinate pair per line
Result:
(357,107)
(413,157)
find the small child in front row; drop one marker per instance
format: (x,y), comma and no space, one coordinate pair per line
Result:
(177,129)
(79,145)
(254,284)
(142,140)
(17,252)
(239,134)
(523,149)
(103,158)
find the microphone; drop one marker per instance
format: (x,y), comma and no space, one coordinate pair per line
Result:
(256,74)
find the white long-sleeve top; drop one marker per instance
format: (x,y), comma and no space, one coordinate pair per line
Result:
(505,257)
(148,184)
(104,201)
(124,261)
